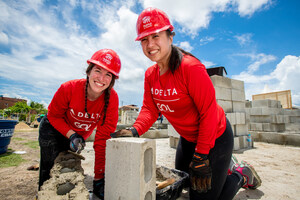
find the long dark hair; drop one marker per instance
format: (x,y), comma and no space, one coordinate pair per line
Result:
(106,92)
(176,54)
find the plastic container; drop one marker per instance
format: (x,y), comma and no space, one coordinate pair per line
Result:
(7,128)
(174,190)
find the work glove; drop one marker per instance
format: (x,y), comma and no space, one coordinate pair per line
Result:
(200,173)
(77,143)
(128,132)
(98,188)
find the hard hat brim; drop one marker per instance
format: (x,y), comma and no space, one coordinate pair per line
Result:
(103,66)
(146,33)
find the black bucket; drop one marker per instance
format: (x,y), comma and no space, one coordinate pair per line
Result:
(7,128)
(174,190)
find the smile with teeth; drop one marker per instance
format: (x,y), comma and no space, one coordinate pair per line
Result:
(153,52)
(99,84)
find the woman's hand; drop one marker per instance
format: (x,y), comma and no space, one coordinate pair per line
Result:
(130,132)
(200,173)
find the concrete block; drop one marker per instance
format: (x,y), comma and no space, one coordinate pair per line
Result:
(277,119)
(238,95)
(236,143)
(294,119)
(260,119)
(293,112)
(238,106)
(226,105)
(236,118)
(223,93)
(237,84)
(172,132)
(240,129)
(130,169)
(255,111)
(240,118)
(155,133)
(256,127)
(269,127)
(221,81)
(266,103)
(293,127)
(231,117)
(272,111)
(277,138)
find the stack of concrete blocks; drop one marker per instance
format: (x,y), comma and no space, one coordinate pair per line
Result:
(269,122)
(230,95)
(267,115)
(293,122)
(130,169)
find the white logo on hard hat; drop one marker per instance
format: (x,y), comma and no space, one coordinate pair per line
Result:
(107,59)
(147,22)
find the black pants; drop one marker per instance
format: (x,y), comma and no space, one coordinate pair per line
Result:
(52,143)
(223,186)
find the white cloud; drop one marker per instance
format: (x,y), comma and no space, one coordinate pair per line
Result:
(194,15)
(284,77)
(247,8)
(3,38)
(244,39)
(206,40)
(186,46)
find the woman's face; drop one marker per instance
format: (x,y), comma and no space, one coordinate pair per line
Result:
(157,47)
(99,80)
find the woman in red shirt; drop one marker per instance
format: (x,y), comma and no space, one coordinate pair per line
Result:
(179,87)
(77,108)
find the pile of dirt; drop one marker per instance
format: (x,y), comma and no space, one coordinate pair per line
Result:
(22,126)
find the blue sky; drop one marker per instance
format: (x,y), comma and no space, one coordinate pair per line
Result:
(45,43)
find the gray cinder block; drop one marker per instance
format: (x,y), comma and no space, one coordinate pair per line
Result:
(238,106)
(130,169)
(226,105)
(223,93)
(221,81)
(237,84)
(238,95)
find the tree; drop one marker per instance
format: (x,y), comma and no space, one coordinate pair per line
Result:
(20,107)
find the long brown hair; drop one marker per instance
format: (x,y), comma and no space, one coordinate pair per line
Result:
(106,92)
(176,54)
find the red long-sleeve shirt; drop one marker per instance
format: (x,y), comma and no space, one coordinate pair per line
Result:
(187,99)
(67,111)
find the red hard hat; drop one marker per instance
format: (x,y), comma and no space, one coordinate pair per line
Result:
(152,20)
(108,59)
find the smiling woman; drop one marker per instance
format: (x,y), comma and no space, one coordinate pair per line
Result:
(77,108)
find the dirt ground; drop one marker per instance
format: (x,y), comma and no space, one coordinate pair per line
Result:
(277,165)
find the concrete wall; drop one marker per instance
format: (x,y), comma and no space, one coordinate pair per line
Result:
(269,116)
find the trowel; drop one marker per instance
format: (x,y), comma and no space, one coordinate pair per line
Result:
(77,153)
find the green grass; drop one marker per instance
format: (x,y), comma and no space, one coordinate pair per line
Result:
(10,159)
(32,144)
(17,139)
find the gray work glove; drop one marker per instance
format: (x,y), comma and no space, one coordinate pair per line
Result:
(77,143)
